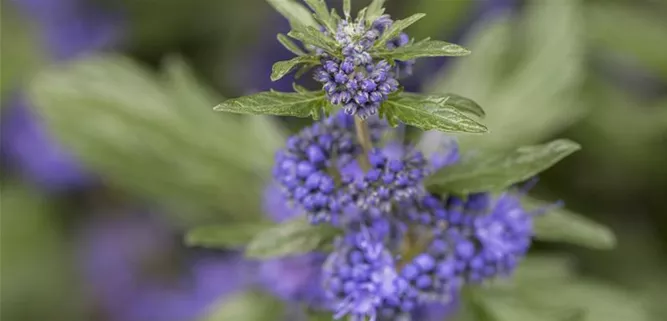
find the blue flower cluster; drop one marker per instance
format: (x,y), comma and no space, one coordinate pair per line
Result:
(403,249)
(357,82)
(360,277)
(496,233)
(390,181)
(302,169)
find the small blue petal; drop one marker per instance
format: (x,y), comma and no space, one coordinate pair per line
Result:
(425,262)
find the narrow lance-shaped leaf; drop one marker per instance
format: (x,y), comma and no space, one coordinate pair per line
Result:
(276,103)
(297,14)
(334,15)
(181,81)
(562,225)
(282,68)
(459,102)
(228,235)
(303,70)
(498,170)
(374,10)
(429,48)
(322,12)
(298,88)
(347,7)
(426,113)
(268,133)
(296,236)
(138,124)
(290,45)
(396,29)
(311,36)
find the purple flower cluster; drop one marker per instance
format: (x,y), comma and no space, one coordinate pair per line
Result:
(491,236)
(359,90)
(357,82)
(404,249)
(360,277)
(403,68)
(389,181)
(302,169)
(433,273)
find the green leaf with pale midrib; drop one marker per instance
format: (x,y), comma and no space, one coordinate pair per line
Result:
(347,7)
(276,103)
(425,113)
(136,123)
(293,237)
(322,13)
(374,11)
(228,235)
(461,103)
(297,14)
(311,36)
(282,68)
(289,45)
(498,170)
(430,48)
(562,225)
(396,28)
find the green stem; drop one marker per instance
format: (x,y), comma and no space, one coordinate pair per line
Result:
(364,138)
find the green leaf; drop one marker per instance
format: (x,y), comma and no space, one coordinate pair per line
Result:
(428,48)
(494,171)
(538,292)
(268,132)
(396,28)
(562,225)
(298,88)
(474,308)
(311,36)
(276,103)
(322,12)
(247,306)
(428,113)
(228,235)
(290,45)
(36,257)
(296,236)
(545,268)
(374,11)
(184,86)
(297,14)
(318,315)
(156,138)
(461,103)
(531,78)
(282,68)
(303,70)
(347,7)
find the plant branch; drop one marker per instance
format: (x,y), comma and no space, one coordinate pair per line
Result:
(364,138)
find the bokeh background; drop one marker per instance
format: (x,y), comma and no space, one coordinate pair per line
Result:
(106,164)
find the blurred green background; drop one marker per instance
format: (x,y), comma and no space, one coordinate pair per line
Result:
(110,149)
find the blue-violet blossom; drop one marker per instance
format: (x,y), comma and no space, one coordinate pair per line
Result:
(404,250)
(357,82)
